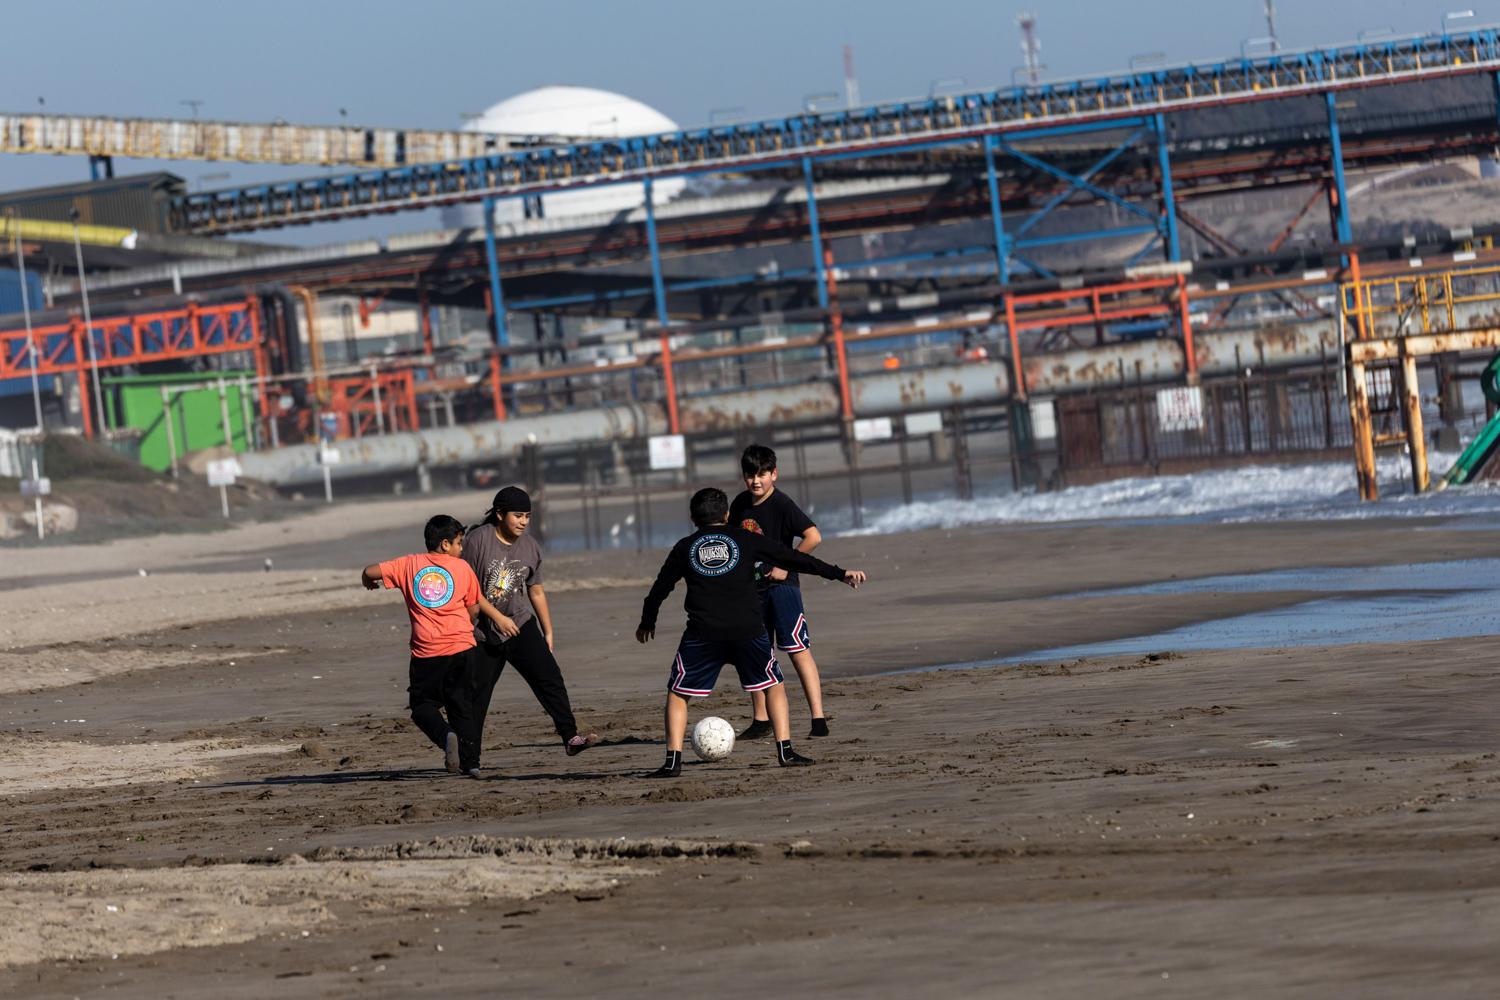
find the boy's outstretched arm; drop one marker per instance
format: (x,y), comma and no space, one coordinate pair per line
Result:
(370,576)
(666,579)
(777,554)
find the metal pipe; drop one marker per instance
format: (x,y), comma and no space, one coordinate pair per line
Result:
(88,326)
(1150,361)
(166,415)
(314,345)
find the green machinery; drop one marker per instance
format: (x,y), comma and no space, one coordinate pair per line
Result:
(196,412)
(1484,446)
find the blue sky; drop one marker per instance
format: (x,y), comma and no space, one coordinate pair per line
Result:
(425,64)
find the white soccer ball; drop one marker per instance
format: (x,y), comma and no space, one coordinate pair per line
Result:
(713,738)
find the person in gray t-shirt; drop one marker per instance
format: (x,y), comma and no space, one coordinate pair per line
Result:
(508,563)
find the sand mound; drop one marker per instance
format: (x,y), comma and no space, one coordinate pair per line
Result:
(33,765)
(105,914)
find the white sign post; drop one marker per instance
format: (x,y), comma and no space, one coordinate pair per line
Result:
(328,456)
(873,429)
(668,451)
(1180,408)
(222,473)
(37,486)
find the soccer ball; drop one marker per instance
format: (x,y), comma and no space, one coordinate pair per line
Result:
(713,738)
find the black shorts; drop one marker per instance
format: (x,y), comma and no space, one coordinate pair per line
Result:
(696,668)
(786,621)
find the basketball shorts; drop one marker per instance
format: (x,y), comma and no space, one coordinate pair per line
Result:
(785,619)
(696,668)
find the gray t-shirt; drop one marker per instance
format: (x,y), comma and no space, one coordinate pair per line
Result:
(504,571)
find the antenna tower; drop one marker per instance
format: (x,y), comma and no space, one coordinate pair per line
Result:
(1031,46)
(851,85)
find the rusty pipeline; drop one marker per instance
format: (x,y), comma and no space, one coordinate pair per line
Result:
(1109,366)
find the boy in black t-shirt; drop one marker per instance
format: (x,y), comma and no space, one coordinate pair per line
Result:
(764,509)
(717,562)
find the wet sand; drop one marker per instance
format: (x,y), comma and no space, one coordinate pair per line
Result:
(1300,822)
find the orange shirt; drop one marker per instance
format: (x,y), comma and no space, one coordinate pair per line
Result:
(439,591)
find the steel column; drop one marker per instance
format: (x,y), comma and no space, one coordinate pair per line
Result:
(1189,354)
(997,219)
(658,285)
(815,234)
(492,259)
(1168,201)
(1411,403)
(1364,432)
(1018,375)
(425,318)
(840,349)
(659,290)
(83,384)
(1342,230)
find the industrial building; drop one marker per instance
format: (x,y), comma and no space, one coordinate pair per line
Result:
(1067,280)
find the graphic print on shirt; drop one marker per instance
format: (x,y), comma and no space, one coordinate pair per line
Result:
(502,578)
(751,525)
(432,587)
(713,555)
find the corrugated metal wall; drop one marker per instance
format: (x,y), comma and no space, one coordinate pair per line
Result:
(132,202)
(10,291)
(10,303)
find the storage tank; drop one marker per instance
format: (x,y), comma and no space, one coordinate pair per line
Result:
(577,112)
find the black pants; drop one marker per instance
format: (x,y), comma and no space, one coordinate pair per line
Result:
(439,684)
(537,666)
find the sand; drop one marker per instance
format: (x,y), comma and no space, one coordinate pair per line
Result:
(1276,821)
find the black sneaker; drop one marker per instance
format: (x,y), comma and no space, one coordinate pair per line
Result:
(787,757)
(758,729)
(450,754)
(819,728)
(672,768)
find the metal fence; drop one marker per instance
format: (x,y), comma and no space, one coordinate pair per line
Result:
(606,495)
(1142,430)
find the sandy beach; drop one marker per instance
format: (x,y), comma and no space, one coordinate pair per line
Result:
(207,773)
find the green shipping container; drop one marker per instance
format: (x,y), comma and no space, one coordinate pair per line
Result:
(197,418)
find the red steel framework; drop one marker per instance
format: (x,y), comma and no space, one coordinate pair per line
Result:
(190,331)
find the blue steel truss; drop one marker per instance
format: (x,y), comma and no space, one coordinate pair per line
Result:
(784,142)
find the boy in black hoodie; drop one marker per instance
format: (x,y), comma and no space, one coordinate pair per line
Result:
(724,619)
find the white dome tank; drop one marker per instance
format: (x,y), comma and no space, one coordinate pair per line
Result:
(569,111)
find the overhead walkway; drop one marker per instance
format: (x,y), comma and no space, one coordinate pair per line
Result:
(102,137)
(1135,100)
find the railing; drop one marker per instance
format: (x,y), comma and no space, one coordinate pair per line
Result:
(1433,302)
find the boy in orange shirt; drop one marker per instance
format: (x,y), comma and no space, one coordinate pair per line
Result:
(443,601)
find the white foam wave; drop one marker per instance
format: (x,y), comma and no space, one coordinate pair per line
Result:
(1324,491)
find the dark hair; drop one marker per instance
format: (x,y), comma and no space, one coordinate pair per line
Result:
(757,459)
(441,529)
(708,506)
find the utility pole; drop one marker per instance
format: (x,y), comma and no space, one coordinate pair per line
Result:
(1271,25)
(1031,46)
